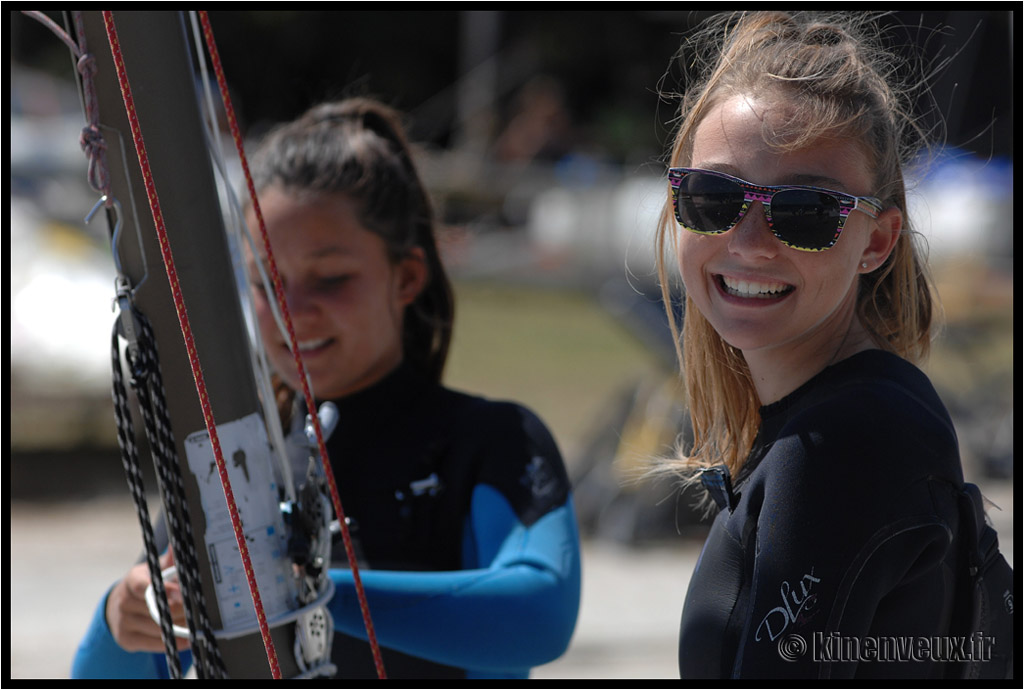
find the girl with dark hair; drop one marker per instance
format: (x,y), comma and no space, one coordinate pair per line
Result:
(459,507)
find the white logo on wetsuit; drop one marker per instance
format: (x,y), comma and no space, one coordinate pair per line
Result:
(798,605)
(539,476)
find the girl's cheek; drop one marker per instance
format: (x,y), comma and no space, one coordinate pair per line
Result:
(264,315)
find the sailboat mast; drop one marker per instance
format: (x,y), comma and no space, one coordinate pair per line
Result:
(156,52)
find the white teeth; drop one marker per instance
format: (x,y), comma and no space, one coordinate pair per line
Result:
(312,344)
(744,288)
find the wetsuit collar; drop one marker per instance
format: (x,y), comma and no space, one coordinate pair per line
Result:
(393,393)
(774,416)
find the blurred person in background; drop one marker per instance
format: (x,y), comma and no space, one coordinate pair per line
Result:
(459,507)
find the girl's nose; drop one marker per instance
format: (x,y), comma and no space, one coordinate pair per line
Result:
(751,238)
(299,299)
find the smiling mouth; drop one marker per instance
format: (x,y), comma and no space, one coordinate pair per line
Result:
(753,290)
(307,346)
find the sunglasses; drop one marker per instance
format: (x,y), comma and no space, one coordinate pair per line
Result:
(806,218)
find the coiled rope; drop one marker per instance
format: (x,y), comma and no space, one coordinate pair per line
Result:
(130,459)
(147,381)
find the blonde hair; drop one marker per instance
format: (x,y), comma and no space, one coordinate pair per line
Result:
(836,84)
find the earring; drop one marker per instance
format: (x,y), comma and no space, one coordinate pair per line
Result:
(863,264)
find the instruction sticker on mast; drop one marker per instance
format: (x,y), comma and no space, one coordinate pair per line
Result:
(246,454)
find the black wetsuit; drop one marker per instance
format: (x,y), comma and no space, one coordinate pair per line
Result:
(834,549)
(462,521)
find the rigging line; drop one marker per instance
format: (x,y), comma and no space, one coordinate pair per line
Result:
(91,138)
(186,330)
(56,29)
(279,293)
(238,232)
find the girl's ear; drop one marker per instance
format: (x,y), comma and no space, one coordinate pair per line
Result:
(885,231)
(412,275)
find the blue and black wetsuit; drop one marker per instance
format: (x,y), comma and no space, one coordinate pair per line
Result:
(835,547)
(461,508)
(462,519)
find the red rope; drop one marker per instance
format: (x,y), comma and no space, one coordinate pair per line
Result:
(186,331)
(279,293)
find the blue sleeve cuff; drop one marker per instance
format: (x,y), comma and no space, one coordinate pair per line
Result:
(100,657)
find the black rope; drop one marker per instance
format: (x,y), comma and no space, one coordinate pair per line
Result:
(148,384)
(130,460)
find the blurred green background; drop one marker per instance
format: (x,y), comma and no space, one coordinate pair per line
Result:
(557,350)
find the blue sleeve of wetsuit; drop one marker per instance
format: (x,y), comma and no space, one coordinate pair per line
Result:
(516,609)
(99,656)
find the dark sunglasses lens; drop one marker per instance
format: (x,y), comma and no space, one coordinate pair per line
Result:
(708,203)
(805,218)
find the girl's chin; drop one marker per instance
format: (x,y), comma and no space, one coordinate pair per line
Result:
(748,337)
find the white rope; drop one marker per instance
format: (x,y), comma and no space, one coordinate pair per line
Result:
(314,626)
(239,235)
